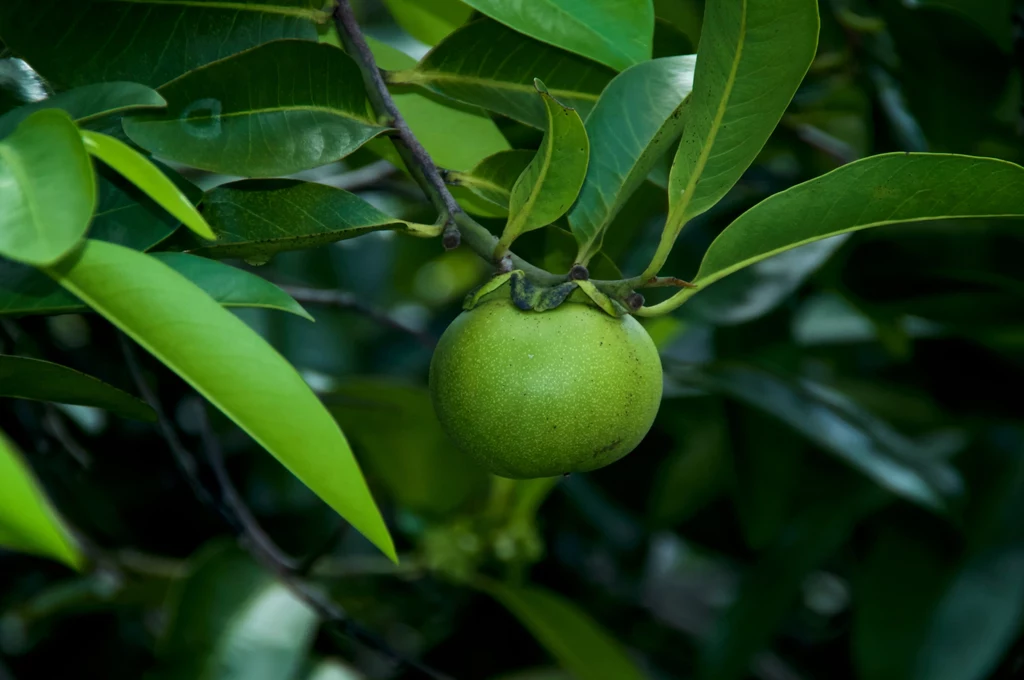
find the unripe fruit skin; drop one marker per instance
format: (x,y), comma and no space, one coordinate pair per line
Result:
(539,394)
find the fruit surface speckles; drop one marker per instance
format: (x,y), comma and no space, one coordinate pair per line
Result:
(539,394)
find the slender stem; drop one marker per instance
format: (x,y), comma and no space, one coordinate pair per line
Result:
(668,305)
(416,158)
(673,225)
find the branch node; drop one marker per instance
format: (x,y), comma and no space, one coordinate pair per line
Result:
(579,273)
(451,237)
(635,301)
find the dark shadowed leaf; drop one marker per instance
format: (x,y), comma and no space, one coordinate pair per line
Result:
(255,219)
(429,21)
(272,110)
(992,16)
(488,65)
(88,102)
(229,364)
(872,192)
(773,584)
(25,378)
(231,619)
(639,116)
(914,470)
(579,644)
(736,100)
(492,178)
(618,34)
(552,180)
(24,290)
(402,445)
(47,189)
(144,42)
(27,522)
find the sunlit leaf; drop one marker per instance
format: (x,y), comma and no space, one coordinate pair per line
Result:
(143,41)
(88,102)
(137,169)
(229,364)
(273,110)
(639,116)
(615,33)
(26,378)
(47,189)
(579,644)
(872,192)
(736,100)
(429,21)
(27,522)
(231,619)
(255,219)
(488,65)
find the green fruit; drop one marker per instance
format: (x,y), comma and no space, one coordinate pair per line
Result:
(538,394)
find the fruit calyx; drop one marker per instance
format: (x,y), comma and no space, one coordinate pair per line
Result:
(528,296)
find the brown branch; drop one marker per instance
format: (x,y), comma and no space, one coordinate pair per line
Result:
(345,300)
(459,224)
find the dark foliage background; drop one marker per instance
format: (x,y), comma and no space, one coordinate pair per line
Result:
(834,487)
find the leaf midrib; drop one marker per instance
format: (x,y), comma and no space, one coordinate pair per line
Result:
(340,113)
(429,76)
(319,16)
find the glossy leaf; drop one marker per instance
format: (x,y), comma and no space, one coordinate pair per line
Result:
(915,471)
(579,644)
(737,99)
(27,522)
(401,444)
(137,169)
(88,102)
(432,119)
(25,290)
(550,183)
(47,188)
(488,65)
(618,34)
(229,364)
(637,119)
(19,85)
(769,589)
(492,178)
(25,378)
(429,21)
(256,219)
(872,192)
(273,110)
(143,41)
(231,619)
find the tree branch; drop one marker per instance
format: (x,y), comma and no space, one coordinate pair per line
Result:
(345,300)
(460,226)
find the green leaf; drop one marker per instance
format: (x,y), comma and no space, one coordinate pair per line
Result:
(492,178)
(487,65)
(770,588)
(403,446)
(550,183)
(429,21)
(47,189)
(24,378)
(88,102)
(637,118)
(19,84)
(137,169)
(229,364)
(25,290)
(255,219)
(872,192)
(432,119)
(737,99)
(994,17)
(231,619)
(27,521)
(912,470)
(579,644)
(618,34)
(273,110)
(145,41)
